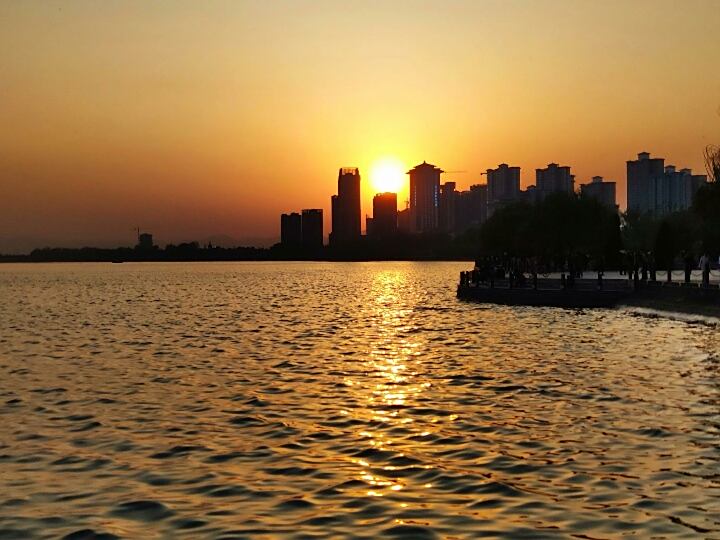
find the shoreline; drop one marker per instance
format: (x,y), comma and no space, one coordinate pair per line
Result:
(29,260)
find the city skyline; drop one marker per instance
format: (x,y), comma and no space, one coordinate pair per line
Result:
(197,123)
(436,206)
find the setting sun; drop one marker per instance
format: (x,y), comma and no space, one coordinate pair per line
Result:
(387,174)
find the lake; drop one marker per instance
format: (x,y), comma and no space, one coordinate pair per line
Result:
(353,400)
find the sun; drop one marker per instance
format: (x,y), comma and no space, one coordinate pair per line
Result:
(387,175)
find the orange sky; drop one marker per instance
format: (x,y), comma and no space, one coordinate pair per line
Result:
(196,119)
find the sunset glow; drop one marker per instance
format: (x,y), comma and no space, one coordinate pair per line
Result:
(387,175)
(194,121)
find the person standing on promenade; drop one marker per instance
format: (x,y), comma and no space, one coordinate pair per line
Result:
(705,268)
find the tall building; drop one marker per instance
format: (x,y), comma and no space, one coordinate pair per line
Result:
(658,189)
(643,175)
(447,208)
(145,241)
(601,190)
(403,220)
(385,215)
(346,220)
(471,208)
(503,186)
(553,179)
(312,228)
(291,230)
(679,189)
(424,197)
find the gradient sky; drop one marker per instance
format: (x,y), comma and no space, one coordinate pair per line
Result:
(193,119)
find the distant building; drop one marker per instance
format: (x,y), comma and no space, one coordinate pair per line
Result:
(404,221)
(447,207)
(461,210)
(531,195)
(471,208)
(291,230)
(503,186)
(145,241)
(385,215)
(553,179)
(424,197)
(601,190)
(679,189)
(346,221)
(643,176)
(312,228)
(658,189)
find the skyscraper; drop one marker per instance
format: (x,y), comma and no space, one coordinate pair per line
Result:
(600,190)
(553,179)
(385,215)
(643,175)
(659,189)
(503,186)
(424,197)
(346,208)
(312,229)
(471,208)
(291,230)
(447,210)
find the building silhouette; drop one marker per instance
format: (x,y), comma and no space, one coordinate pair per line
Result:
(601,190)
(145,241)
(424,197)
(291,230)
(462,210)
(655,188)
(553,179)
(471,208)
(346,221)
(312,229)
(643,175)
(384,222)
(403,220)
(448,207)
(503,186)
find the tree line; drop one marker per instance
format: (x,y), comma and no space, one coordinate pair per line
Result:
(566,232)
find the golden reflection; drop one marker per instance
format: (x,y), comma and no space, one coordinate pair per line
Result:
(388,385)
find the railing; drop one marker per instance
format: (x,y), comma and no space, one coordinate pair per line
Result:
(607,280)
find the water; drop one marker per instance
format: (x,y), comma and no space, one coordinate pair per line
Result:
(302,400)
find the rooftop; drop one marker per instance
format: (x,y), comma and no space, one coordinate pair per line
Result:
(424,166)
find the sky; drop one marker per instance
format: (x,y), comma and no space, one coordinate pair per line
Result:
(198,119)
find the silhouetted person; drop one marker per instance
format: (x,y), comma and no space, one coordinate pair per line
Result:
(705,268)
(688,267)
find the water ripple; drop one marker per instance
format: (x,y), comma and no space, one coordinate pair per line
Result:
(358,400)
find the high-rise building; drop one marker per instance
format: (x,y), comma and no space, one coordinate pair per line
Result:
(471,208)
(658,189)
(346,220)
(554,179)
(503,186)
(291,230)
(643,175)
(312,229)
(424,197)
(601,190)
(385,215)
(403,219)
(678,189)
(447,208)
(145,241)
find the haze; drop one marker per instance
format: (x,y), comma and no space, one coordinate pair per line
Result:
(192,120)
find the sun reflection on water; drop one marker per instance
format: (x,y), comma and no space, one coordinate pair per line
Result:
(390,386)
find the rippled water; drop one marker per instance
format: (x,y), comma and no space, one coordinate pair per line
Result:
(343,400)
